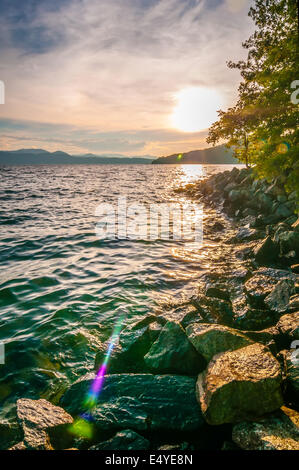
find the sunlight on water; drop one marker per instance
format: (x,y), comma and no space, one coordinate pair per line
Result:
(60,285)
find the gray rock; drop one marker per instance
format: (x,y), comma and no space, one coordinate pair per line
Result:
(172,352)
(266,251)
(279,298)
(124,440)
(291,362)
(38,416)
(288,329)
(289,241)
(241,384)
(283,211)
(134,342)
(209,340)
(278,431)
(138,402)
(262,282)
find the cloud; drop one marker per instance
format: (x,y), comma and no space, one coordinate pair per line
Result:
(111,69)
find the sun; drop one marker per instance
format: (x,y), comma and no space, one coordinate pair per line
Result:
(196,109)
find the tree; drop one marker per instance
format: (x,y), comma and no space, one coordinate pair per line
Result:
(263,125)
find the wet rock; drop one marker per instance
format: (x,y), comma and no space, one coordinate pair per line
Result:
(263,336)
(209,340)
(218,227)
(214,310)
(10,434)
(139,402)
(217,290)
(124,440)
(295,268)
(20,446)
(192,316)
(172,352)
(288,329)
(36,417)
(266,252)
(263,281)
(250,318)
(291,364)
(279,298)
(283,211)
(247,234)
(241,384)
(135,340)
(289,241)
(278,431)
(294,303)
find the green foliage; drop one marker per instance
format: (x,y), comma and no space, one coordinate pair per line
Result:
(263,125)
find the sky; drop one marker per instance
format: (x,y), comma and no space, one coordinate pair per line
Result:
(117,76)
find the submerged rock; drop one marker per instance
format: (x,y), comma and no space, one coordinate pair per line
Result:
(209,340)
(172,352)
(139,402)
(124,440)
(241,384)
(278,431)
(36,417)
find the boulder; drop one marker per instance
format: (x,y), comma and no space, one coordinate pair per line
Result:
(209,340)
(10,434)
(283,211)
(291,363)
(139,402)
(134,341)
(289,241)
(241,384)
(36,417)
(173,353)
(263,281)
(247,234)
(294,303)
(123,440)
(288,328)
(217,290)
(137,337)
(279,298)
(266,252)
(278,431)
(214,310)
(295,268)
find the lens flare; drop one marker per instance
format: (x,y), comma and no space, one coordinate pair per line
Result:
(82,427)
(283,147)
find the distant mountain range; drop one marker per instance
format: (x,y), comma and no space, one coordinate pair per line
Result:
(216,155)
(43,157)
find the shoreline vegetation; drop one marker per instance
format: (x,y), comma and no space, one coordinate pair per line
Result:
(219,371)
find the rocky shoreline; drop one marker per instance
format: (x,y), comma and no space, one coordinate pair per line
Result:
(221,371)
